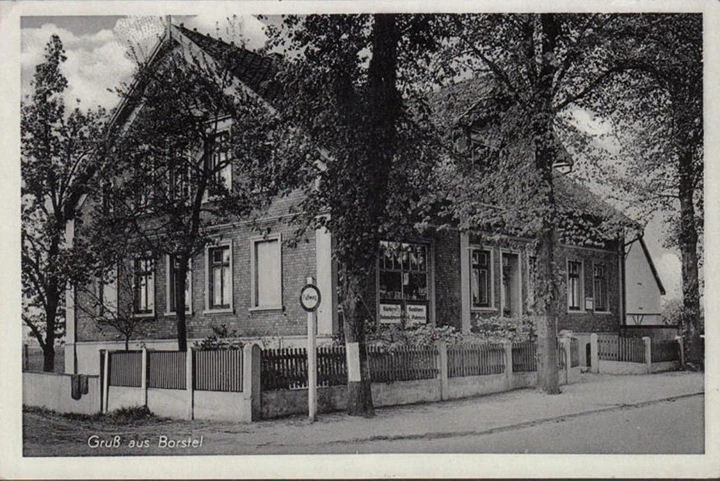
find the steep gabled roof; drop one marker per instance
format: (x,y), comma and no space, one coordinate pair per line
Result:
(254,70)
(654,271)
(481,99)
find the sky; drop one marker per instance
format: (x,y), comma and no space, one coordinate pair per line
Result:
(97,62)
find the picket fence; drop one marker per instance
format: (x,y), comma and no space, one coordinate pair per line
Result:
(663,351)
(475,360)
(624,349)
(212,370)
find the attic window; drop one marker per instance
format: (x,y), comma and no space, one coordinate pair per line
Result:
(220,164)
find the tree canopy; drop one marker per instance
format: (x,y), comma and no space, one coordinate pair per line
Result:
(57,169)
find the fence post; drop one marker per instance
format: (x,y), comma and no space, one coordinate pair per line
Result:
(594,356)
(443,369)
(565,341)
(507,345)
(143,375)
(648,353)
(252,371)
(189,381)
(26,358)
(681,350)
(106,379)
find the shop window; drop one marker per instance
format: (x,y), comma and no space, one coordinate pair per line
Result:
(403,282)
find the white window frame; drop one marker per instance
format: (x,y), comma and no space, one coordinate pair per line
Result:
(606,310)
(492,306)
(531,271)
(219,127)
(208,308)
(168,300)
(134,271)
(581,286)
(101,285)
(519,301)
(430,277)
(253,272)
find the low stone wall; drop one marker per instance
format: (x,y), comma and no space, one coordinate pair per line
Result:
(460,387)
(124,397)
(406,392)
(664,366)
(222,406)
(54,391)
(172,403)
(520,380)
(286,402)
(619,367)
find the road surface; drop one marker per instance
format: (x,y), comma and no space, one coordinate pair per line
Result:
(665,427)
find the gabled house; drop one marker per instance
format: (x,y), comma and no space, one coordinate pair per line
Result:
(643,293)
(250,282)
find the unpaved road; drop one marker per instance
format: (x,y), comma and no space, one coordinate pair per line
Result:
(673,426)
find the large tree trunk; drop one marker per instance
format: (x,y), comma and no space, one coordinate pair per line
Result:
(374,164)
(180,278)
(49,346)
(542,123)
(359,400)
(688,238)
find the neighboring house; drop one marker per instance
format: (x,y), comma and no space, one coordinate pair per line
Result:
(643,293)
(440,277)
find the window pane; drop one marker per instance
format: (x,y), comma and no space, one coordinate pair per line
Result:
(390,285)
(226,284)
(267,276)
(217,287)
(480,278)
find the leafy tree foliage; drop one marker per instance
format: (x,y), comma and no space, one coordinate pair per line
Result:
(351,90)
(57,165)
(538,67)
(657,119)
(109,299)
(191,150)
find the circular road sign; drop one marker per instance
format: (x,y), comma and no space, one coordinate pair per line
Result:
(310,297)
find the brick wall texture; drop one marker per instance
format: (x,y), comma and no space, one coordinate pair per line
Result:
(298,262)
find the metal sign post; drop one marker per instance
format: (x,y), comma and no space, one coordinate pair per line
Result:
(310,300)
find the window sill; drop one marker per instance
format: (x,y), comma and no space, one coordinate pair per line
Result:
(173,313)
(602,312)
(144,315)
(483,309)
(265,308)
(227,310)
(579,311)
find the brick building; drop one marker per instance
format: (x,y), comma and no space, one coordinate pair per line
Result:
(250,283)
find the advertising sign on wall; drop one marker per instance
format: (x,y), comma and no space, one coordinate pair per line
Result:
(390,313)
(416,314)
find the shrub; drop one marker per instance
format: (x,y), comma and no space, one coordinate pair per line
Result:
(222,338)
(496,328)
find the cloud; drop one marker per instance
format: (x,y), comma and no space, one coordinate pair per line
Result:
(95,62)
(242,29)
(98,61)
